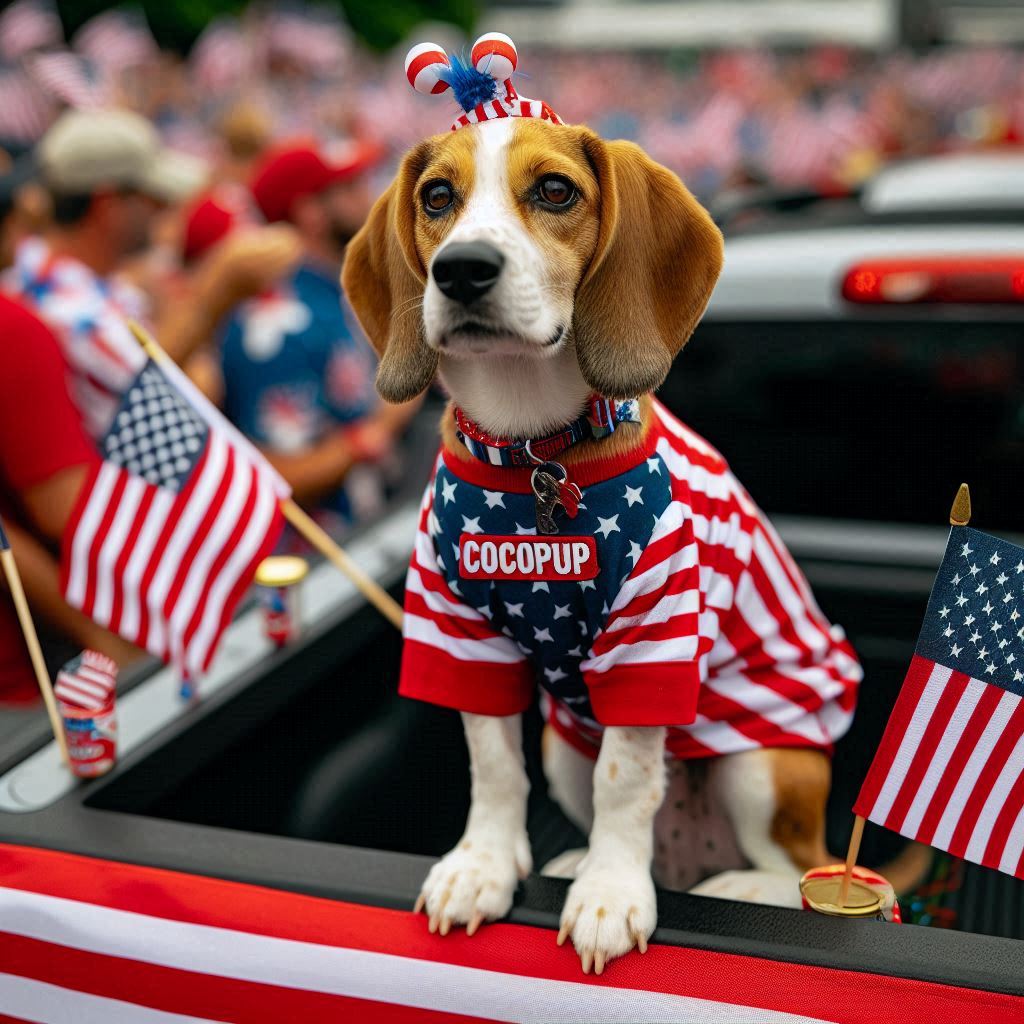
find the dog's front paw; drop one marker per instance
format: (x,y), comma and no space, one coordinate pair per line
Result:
(608,911)
(474,883)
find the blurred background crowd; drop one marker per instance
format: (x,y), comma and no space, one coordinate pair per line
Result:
(201,167)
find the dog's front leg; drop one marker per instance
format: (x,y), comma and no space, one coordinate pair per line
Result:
(475,882)
(611,906)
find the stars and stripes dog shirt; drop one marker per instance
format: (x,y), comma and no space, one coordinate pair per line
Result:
(668,600)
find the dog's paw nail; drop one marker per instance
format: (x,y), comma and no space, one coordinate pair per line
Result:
(598,962)
(478,919)
(446,925)
(586,958)
(421,902)
(432,927)
(641,943)
(563,934)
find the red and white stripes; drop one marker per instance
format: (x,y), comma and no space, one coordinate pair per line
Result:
(950,768)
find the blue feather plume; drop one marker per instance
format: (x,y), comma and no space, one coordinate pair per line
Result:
(469,86)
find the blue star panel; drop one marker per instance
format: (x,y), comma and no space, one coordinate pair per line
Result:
(553,623)
(975,618)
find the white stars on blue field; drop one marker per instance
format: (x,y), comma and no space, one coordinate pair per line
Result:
(992,607)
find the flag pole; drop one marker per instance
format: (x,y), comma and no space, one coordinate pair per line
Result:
(308,527)
(959,515)
(35,652)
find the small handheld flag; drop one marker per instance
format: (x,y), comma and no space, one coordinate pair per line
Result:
(949,771)
(173,523)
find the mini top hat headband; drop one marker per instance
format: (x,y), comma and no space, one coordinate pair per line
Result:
(483,87)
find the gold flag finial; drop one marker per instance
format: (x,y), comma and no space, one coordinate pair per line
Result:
(960,513)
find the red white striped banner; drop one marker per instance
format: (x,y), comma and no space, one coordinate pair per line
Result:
(90,940)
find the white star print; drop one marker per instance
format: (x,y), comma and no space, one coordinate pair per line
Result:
(541,586)
(587,585)
(956,580)
(494,499)
(968,620)
(448,490)
(575,652)
(996,626)
(454,588)
(988,609)
(562,612)
(1003,643)
(974,570)
(542,635)
(1014,615)
(654,465)
(943,612)
(632,495)
(472,525)
(1019,567)
(525,531)
(1010,659)
(1020,633)
(974,637)
(485,611)
(635,551)
(554,674)
(990,668)
(981,589)
(506,630)
(995,559)
(1017,677)
(983,653)
(523,648)
(1002,578)
(1007,598)
(955,651)
(966,550)
(455,551)
(514,610)
(610,525)
(583,626)
(947,632)
(960,600)
(605,609)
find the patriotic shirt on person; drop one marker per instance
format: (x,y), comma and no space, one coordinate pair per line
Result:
(88,314)
(697,617)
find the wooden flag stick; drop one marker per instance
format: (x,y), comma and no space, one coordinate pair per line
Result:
(339,558)
(35,652)
(960,513)
(851,859)
(308,527)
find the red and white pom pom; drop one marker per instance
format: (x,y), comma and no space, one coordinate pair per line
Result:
(495,54)
(424,65)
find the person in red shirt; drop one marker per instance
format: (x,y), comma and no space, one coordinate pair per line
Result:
(45,456)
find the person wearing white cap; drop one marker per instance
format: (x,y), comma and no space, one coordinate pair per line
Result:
(109,176)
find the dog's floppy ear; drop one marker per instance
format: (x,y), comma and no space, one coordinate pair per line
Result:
(657,259)
(384,281)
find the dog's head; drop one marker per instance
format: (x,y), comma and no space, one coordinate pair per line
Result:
(519,236)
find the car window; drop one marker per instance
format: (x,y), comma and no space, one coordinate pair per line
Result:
(862,420)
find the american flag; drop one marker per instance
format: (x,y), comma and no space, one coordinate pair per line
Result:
(177,517)
(25,109)
(29,25)
(73,80)
(117,40)
(950,768)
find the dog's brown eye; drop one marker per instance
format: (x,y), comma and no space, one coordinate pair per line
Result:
(437,197)
(556,191)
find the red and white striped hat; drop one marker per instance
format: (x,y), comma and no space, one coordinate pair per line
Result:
(87,682)
(483,87)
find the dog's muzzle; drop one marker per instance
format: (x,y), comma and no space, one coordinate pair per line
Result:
(466,271)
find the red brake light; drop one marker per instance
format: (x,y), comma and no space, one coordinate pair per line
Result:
(991,279)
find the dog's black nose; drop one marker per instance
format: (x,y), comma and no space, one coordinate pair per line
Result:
(465,271)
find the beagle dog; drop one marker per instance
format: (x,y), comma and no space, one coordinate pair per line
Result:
(693,689)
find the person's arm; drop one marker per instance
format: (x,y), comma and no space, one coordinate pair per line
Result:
(241,266)
(317,471)
(40,576)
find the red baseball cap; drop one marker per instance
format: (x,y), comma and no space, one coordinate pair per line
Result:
(213,217)
(304,169)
